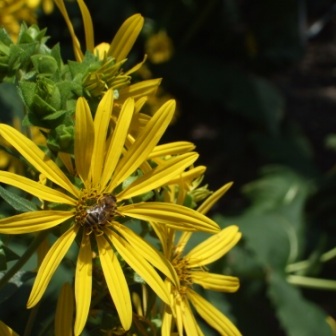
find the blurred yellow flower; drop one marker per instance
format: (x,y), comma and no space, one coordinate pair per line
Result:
(12,13)
(159,47)
(47,5)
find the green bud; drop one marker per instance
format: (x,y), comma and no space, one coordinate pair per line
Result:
(44,64)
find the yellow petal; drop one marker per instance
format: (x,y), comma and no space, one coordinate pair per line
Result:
(216,282)
(214,247)
(84,135)
(212,315)
(50,264)
(153,256)
(6,331)
(189,175)
(213,198)
(136,67)
(172,148)
(143,145)
(174,215)
(76,45)
(117,142)
(185,319)
(67,161)
(167,320)
(126,36)
(33,221)
(140,89)
(36,189)
(83,284)
(158,176)
(190,323)
(36,157)
(140,266)
(116,282)
(88,26)
(64,312)
(101,123)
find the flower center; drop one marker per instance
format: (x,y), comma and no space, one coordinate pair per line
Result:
(95,212)
(181,267)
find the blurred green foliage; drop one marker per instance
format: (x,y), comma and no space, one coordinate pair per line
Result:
(227,55)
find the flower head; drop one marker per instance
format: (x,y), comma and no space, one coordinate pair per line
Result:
(191,271)
(105,62)
(96,206)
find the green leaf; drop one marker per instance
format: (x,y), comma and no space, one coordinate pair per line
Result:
(14,284)
(17,202)
(297,316)
(273,225)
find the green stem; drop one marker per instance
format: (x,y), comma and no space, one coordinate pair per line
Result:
(309,282)
(24,258)
(304,264)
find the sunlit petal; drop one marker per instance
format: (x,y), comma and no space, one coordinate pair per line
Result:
(64,312)
(216,282)
(36,157)
(190,325)
(188,175)
(88,26)
(76,45)
(213,198)
(101,123)
(33,221)
(152,255)
(140,265)
(36,189)
(158,176)
(84,135)
(50,264)
(117,141)
(116,282)
(144,143)
(136,67)
(125,37)
(212,315)
(166,323)
(140,89)
(172,148)
(173,215)
(214,247)
(83,284)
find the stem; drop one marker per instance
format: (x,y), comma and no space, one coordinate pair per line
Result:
(315,283)
(304,264)
(24,258)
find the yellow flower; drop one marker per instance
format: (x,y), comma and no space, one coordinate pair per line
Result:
(100,204)
(12,13)
(191,270)
(159,47)
(112,57)
(47,5)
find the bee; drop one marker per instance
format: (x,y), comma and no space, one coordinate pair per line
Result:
(100,214)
